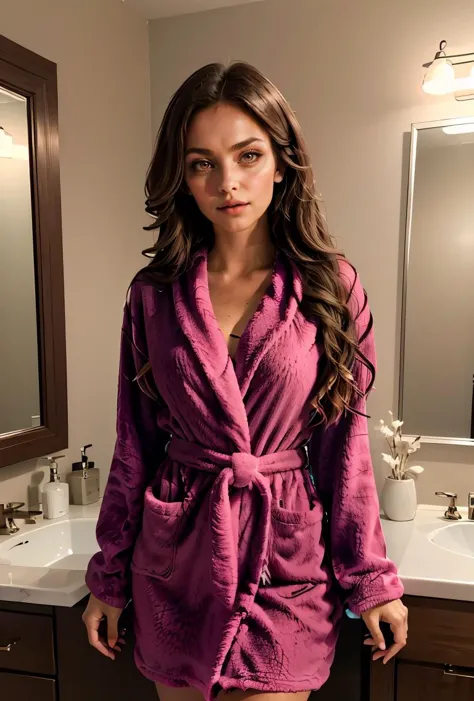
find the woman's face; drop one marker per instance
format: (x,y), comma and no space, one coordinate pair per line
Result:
(229,157)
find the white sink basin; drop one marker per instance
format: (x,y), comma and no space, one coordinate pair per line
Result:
(45,563)
(67,545)
(457,538)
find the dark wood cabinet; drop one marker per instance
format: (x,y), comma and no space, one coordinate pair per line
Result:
(52,642)
(53,661)
(116,679)
(416,682)
(438,662)
(32,643)
(22,688)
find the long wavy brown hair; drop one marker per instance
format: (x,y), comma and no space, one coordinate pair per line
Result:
(296,223)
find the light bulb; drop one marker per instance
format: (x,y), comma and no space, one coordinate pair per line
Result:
(439,78)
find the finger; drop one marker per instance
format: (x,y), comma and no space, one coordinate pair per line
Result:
(92,627)
(394,650)
(112,630)
(372,624)
(378,654)
(399,630)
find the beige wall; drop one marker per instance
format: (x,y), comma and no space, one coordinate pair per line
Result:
(101,49)
(352,72)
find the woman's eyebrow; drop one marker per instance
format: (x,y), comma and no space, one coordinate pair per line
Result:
(235,147)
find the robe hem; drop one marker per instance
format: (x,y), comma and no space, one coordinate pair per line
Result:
(242,683)
(281,686)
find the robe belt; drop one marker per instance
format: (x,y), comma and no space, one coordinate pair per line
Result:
(240,470)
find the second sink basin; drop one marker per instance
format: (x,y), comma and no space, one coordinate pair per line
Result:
(457,537)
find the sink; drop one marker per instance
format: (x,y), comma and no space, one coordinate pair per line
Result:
(457,538)
(67,545)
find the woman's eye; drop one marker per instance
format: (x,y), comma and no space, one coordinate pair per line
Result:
(254,156)
(196,165)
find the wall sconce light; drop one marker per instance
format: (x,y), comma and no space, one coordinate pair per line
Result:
(441,79)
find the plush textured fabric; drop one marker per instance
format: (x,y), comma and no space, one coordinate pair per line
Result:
(239,564)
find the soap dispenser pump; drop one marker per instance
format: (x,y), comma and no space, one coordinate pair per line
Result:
(55,492)
(84,480)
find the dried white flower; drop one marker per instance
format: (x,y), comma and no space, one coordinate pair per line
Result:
(400,450)
(390,460)
(415,470)
(386,431)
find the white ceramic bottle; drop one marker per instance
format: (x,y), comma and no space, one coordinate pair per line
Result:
(55,492)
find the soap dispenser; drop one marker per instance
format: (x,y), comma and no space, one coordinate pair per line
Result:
(84,480)
(55,492)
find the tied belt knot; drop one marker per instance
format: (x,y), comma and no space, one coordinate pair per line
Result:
(244,469)
(240,470)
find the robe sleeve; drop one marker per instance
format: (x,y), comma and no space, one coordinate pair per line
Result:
(343,473)
(139,449)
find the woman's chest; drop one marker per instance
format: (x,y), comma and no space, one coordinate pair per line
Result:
(234,302)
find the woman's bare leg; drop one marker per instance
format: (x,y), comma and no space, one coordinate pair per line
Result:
(183,693)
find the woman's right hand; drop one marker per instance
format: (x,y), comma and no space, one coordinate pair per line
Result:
(95,612)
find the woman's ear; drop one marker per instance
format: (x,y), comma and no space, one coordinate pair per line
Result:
(279,174)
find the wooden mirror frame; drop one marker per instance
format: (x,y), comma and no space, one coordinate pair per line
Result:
(35,77)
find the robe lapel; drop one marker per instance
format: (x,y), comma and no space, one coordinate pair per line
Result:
(195,314)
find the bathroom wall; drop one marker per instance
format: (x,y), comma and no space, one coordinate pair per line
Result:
(101,49)
(352,72)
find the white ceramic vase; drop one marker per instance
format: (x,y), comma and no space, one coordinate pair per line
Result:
(398,499)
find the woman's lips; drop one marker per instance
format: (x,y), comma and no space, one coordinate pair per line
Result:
(233,209)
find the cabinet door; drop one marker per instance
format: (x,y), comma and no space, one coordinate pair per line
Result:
(20,687)
(86,675)
(31,639)
(347,679)
(420,683)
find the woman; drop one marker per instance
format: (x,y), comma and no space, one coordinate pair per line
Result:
(246,340)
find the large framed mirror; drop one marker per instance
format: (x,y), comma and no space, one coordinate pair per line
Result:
(33,394)
(436,393)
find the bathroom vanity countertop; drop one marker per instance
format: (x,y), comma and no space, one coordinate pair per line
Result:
(53,573)
(426,569)
(54,567)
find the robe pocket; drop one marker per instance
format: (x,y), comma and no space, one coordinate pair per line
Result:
(297,545)
(155,550)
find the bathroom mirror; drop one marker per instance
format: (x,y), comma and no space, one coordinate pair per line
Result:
(33,398)
(437,340)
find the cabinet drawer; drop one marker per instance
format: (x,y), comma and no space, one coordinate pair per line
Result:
(440,631)
(19,687)
(419,683)
(33,650)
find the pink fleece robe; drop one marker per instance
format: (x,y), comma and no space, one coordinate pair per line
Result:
(238,557)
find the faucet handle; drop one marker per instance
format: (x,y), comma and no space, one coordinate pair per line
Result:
(451,512)
(470,506)
(15,505)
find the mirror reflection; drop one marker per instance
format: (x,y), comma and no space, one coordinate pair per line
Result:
(438,368)
(19,366)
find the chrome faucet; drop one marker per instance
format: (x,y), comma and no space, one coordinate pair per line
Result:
(451,513)
(8,512)
(470,506)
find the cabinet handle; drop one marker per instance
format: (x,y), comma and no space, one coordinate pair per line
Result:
(448,670)
(8,648)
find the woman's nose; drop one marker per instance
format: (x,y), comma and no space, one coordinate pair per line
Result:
(228,179)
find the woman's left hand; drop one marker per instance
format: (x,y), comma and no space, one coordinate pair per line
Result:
(394,613)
